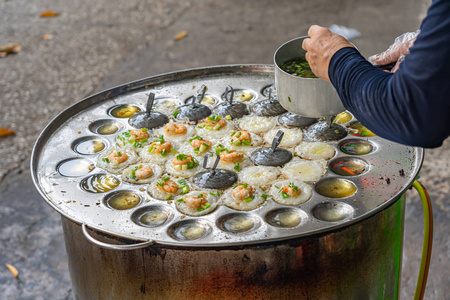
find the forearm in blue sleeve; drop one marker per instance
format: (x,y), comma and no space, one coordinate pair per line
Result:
(394,108)
(411,106)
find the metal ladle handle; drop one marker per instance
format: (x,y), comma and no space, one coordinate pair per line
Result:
(151,99)
(277,140)
(201,93)
(229,91)
(114,247)
(205,161)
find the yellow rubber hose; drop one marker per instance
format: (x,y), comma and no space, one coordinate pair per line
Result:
(427,240)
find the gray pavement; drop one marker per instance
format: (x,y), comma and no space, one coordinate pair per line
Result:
(100,44)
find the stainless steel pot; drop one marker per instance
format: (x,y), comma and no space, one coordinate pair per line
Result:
(355,255)
(308,97)
(361,261)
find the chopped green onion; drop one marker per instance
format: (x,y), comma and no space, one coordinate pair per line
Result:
(175,113)
(173,150)
(233,133)
(228,117)
(182,181)
(206,145)
(236,166)
(248,199)
(239,134)
(164,152)
(190,165)
(118,154)
(209,127)
(185,189)
(165,178)
(289,98)
(197,137)
(196,150)
(201,126)
(276,186)
(150,149)
(217,127)
(246,143)
(106,160)
(160,183)
(264,196)
(168,197)
(144,140)
(284,195)
(180,200)
(181,156)
(236,142)
(200,196)
(261,189)
(144,129)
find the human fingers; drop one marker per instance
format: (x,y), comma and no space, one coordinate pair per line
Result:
(306,44)
(400,47)
(316,30)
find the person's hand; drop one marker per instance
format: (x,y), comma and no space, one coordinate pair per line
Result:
(320,47)
(396,52)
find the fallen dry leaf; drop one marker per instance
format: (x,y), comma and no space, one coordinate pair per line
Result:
(9,48)
(181,35)
(5,132)
(13,270)
(49,14)
(47,36)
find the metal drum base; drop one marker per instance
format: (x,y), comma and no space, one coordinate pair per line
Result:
(361,261)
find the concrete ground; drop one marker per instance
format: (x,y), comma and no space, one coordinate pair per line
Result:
(95,45)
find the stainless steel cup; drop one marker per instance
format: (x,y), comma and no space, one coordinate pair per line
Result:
(309,97)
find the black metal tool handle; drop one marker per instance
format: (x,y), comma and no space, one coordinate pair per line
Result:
(150,101)
(277,140)
(216,162)
(190,100)
(229,91)
(201,93)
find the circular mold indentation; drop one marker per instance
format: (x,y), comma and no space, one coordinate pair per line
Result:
(349,166)
(242,95)
(356,147)
(238,222)
(335,188)
(286,217)
(122,200)
(208,100)
(358,129)
(105,127)
(152,216)
(75,167)
(99,183)
(270,89)
(189,230)
(89,145)
(332,211)
(123,110)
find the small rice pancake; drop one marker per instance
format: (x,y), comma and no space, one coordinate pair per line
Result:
(259,175)
(190,132)
(156,193)
(305,170)
(186,147)
(237,204)
(165,105)
(305,194)
(257,124)
(124,140)
(315,150)
(257,141)
(157,158)
(183,173)
(190,211)
(117,168)
(245,163)
(215,135)
(292,136)
(128,174)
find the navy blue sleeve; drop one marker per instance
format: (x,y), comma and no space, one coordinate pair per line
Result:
(411,106)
